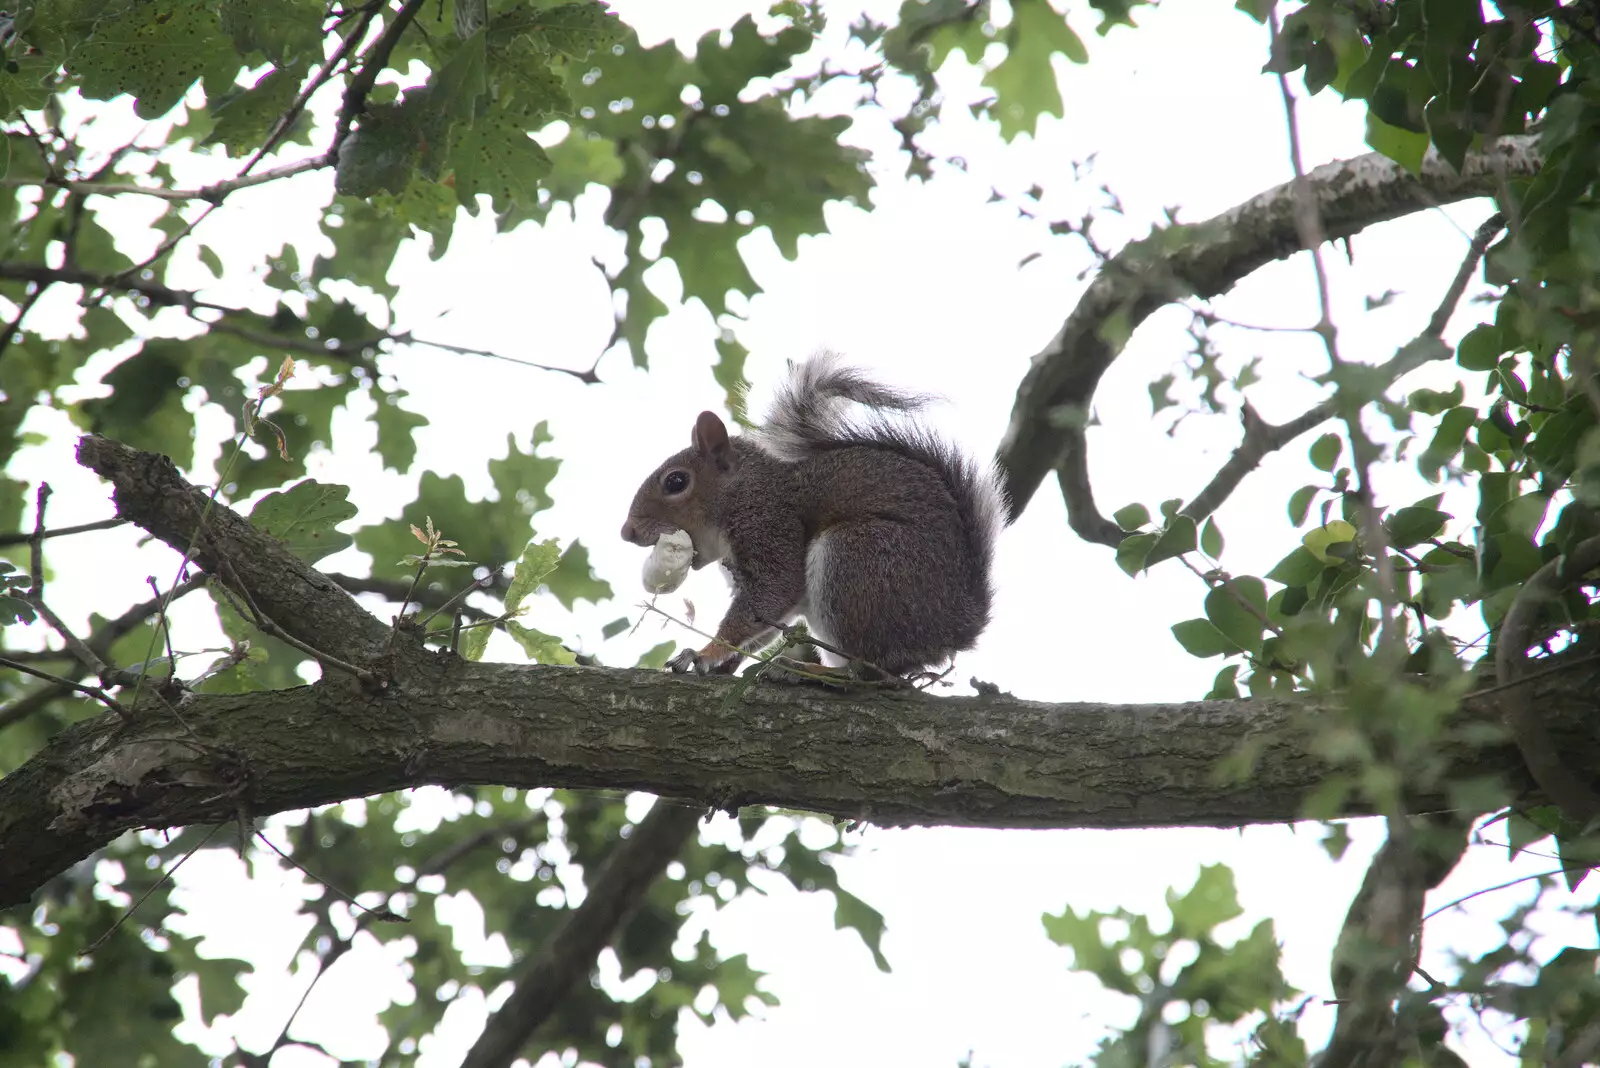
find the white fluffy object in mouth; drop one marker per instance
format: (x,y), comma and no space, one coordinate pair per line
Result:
(668,563)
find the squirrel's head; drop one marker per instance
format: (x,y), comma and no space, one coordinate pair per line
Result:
(682,493)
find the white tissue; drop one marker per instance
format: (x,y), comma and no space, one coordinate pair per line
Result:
(668,563)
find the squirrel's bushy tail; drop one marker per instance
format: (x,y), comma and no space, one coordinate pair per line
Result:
(808,417)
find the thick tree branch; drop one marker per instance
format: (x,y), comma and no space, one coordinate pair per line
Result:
(544,979)
(305,602)
(1206,259)
(874,755)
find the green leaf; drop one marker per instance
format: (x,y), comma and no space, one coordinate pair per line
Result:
(1409,526)
(1131,517)
(573,580)
(243,117)
(1323,541)
(1435,402)
(1223,687)
(541,648)
(474,642)
(1325,452)
(496,157)
(303,517)
(1177,539)
(1200,637)
(656,657)
(1133,550)
(1403,146)
(1212,901)
(397,427)
(615,627)
(1211,538)
(851,912)
(145,408)
(1447,441)
(1081,934)
(153,50)
(1024,82)
(1298,568)
(535,564)
(1239,610)
(462,80)
(575,30)
(1300,504)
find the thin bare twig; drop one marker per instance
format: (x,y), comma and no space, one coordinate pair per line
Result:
(109,931)
(1262,438)
(59,532)
(95,692)
(383,912)
(100,642)
(1308,221)
(253,613)
(166,630)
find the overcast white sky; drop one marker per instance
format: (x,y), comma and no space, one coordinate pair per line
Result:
(925,289)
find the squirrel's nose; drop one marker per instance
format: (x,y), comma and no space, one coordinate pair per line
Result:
(629,534)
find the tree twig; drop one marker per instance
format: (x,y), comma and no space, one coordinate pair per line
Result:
(1207,259)
(20,538)
(95,692)
(1262,438)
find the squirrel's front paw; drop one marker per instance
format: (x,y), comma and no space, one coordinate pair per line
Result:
(714,659)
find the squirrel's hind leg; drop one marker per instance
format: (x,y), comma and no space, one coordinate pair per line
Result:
(885,593)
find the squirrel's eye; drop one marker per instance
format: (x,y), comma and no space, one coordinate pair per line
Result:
(675,481)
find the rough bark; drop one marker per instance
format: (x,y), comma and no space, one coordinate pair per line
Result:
(866,754)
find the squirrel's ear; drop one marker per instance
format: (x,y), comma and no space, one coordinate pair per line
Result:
(710,439)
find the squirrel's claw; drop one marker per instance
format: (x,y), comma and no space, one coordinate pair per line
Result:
(714,659)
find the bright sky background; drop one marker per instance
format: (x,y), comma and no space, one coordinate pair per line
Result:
(926,290)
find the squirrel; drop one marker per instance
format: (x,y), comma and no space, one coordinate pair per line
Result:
(880,535)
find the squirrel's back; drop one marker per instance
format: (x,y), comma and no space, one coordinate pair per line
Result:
(808,418)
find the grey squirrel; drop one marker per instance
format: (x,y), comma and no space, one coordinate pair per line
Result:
(878,533)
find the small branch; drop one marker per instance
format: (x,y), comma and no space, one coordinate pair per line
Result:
(588,377)
(394,589)
(544,979)
(372,64)
(380,913)
(212,193)
(1262,438)
(36,543)
(100,642)
(265,624)
(1487,231)
(59,532)
(1083,516)
(154,291)
(23,308)
(109,931)
(1379,944)
(166,629)
(318,80)
(455,602)
(7,716)
(1205,260)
